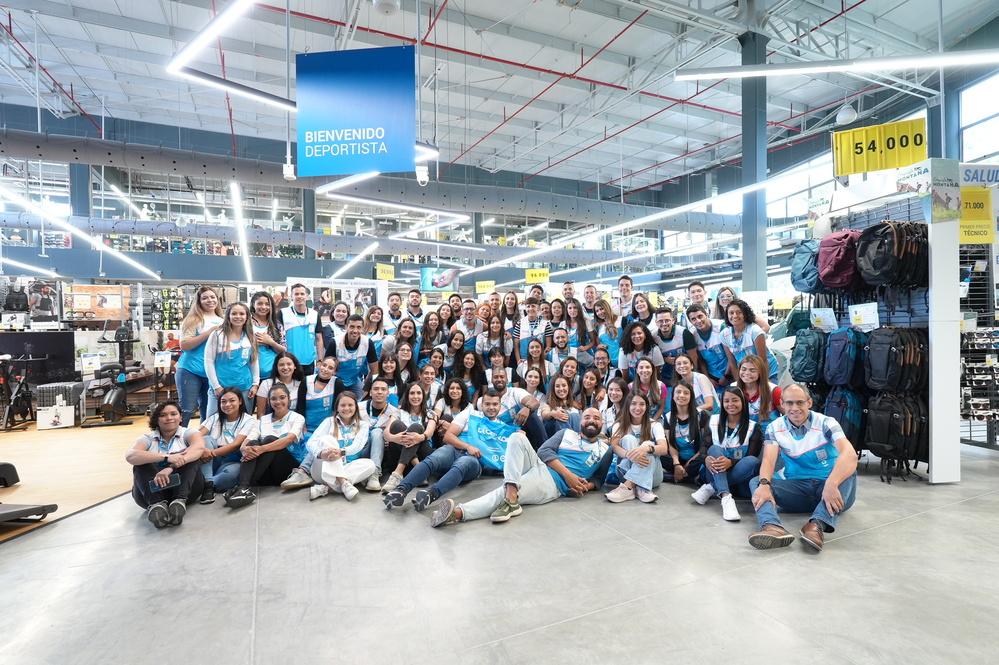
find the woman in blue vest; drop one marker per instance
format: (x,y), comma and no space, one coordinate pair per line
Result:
(648,385)
(684,425)
(559,407)
(762,398)
(742,337)
(637,343)
(431,335)
(406,356)
(408,435)
(334,459)
(637,438)
(388,371)
(320,391)
(606,330)
(374,328)
(204,318)
(579,332)
(455,345)
(231,357)
(266,330)
(288,372)
(705,397)
(732,444)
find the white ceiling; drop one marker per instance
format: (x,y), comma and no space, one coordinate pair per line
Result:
(615,117)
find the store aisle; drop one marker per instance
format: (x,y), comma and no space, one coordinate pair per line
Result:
(908,577)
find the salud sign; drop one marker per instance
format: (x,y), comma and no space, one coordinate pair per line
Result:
(356,111)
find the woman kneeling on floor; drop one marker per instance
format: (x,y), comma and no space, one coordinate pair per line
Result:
(166,466)
(273,453)
(732,443)
(334,460)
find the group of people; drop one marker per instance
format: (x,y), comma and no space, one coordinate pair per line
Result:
(561,397)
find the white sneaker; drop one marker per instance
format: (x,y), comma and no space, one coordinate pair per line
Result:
(703,494)
(373,484)
(646,496)
(298,478)
(392,482)
(620,494)
(348,490)
(729,512)
(318,491)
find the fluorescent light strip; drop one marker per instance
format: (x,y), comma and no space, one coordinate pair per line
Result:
(237,89)
(237,209)
(350,264)
(488,222)
(539,227)
(28,266)
(222,22)
(24,203)
(274,209)
(425,152)
(120,195)
(453,218)
(886,64)
(441,243)
(346,182)
(448,262)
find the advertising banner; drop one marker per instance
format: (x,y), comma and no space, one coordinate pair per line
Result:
(439,279)
(356,111)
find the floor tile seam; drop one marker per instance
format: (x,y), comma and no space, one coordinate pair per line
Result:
(256,582)
(607,526)
(909,517)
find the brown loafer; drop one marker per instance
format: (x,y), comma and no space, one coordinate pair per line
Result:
(771,537)
(811,534)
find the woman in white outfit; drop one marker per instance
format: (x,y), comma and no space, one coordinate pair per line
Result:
(335,447)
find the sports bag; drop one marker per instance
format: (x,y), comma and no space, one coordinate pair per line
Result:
(805,268)
(808,356)
(837,260)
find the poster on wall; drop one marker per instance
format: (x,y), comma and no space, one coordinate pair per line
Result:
(356,111)
(439,279)
(324,293)
(103,302)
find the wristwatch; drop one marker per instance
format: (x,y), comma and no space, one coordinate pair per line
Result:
(652,449)
(764,481)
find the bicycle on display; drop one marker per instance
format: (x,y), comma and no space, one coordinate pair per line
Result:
(16,400)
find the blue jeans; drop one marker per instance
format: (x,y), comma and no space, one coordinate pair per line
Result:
(222,471)
(192,392)
(452,467)
(375,448)
(734,481)
(552,426)
(804,495)
(647,477)
(357,389)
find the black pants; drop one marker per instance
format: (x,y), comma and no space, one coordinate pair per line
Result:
(396,454)
(443,423)
(309,370)
(189,490)
(270,468)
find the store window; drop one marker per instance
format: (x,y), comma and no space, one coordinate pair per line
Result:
(980,121)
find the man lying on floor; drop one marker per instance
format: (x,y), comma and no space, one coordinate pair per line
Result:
(568,464)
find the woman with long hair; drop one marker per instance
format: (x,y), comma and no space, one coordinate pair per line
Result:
(763,400)
(648,385)
(684,424)
(321,390)
(409,434)
(579,332)
(559,406)
(638,441)
(534,384)
(268,332)
(723,298)
(558,313)
(231,357)
(591,391)
(446,316)
(430,384)
(468,368)
(510,311)
(638,343)
(224,432)
(494,337)
(453,400)
(431,335)
(406,355)
(203,318)
(483,312)
(338,318)
(288,371)
(404,332)
(704,393)
(602,363)
(334,459)
(388,370)
(617,390)
(742,337)
(570,370)
(374,327)
(437,362)
(536,358)
(606,330)
(641,311)
(731,444)
(452,349)
(272,454)
(169,449)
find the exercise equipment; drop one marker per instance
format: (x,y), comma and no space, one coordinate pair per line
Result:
(14,513)
(8,475)
(114,408)
(16,404)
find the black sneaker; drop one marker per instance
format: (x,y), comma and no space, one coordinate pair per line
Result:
(394,499)
(177,509)
(158,515)
(423,499)
(207,494)
(239,497)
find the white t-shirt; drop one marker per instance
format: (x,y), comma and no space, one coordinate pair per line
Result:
(292,423)
(265,389)
(177,444)
(245,426)
(511,400)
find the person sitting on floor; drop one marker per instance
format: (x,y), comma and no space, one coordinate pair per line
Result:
(469,436)
(166,465)
(273,453)
(638,441)
(819,474)
(224,432)
(568,464)
(334,460)
(518,407)
(731,444)
(409,434)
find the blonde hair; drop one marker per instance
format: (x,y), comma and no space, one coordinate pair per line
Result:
(195,315)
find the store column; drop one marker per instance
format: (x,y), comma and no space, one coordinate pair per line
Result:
(79,189)
(754,165)
(477,234)
(309,218)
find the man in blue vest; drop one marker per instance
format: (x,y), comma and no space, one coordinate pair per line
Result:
(710,350)
(414,310)
(819,474)
(355,355)
(568,464)
(673,341)
(302,330)
(394,315)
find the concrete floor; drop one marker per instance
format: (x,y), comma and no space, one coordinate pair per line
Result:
(912,577)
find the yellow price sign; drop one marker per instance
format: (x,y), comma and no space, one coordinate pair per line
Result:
(978,225)
(536,275)
(879,147)
(384,271)
(485,287)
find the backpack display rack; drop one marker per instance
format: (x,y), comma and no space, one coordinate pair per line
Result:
(874,384)
(979,349)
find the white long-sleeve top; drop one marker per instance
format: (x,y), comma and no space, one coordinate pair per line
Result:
(215,346)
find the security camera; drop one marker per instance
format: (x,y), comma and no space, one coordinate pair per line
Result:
(422,175)
(288,171)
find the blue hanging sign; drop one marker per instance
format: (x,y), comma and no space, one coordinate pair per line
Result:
(356,111)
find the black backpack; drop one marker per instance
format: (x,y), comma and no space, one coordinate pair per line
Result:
(895,359)
(894,254)
(808,356)
(847,407)
(897,432)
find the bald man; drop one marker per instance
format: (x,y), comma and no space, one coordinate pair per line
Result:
(568,464)
(819,474)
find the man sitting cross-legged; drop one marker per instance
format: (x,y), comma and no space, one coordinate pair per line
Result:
(568,464)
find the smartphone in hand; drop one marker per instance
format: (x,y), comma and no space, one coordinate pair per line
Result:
(174,482)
